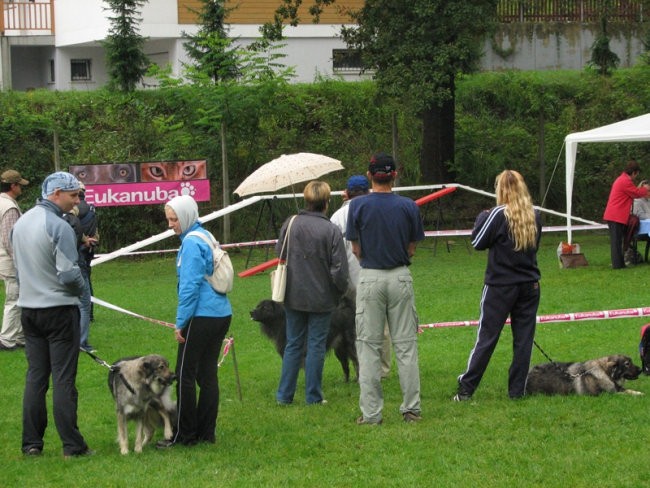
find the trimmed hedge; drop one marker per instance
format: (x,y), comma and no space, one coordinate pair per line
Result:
(504,119)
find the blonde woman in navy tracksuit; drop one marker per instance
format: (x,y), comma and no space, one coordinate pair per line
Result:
(511,231)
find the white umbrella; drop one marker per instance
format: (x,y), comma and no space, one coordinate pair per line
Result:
(287,170)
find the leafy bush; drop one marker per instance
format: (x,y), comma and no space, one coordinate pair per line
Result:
(504,119)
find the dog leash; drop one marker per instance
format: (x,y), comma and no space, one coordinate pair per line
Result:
(98,359)
(112,368)
(564,372)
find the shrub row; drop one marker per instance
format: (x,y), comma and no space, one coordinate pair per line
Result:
(504,119)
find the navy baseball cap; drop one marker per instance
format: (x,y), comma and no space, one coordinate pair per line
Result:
(382,166)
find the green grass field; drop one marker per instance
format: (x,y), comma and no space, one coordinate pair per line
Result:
(490,441)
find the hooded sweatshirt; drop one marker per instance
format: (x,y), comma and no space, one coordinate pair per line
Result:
(196,298)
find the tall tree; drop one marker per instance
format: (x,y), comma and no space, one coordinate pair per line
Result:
(210,49)
(214,62)
(217,62)
(216,59)
(125,58)
(417,49)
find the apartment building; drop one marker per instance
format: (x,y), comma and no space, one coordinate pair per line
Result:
(56,44)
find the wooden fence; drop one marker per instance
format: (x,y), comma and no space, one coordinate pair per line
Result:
(581,11)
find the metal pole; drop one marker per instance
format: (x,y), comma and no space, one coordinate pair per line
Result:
(225,183)
(235,367)
(57,159)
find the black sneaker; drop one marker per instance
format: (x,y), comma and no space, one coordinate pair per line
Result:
(33,451)
(84,453)
(164,444)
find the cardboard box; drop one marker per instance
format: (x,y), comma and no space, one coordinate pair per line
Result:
(573,260)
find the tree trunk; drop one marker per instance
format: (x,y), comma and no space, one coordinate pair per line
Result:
(56,147)
(395,137)
(541,156)
(438,143)
(226,183)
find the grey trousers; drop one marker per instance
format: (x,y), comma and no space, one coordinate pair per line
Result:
(386,296)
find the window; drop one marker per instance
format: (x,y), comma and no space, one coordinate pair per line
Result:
(52,72)
(346,60)
(80,70)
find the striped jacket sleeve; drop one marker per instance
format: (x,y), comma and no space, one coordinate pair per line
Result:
(485,227)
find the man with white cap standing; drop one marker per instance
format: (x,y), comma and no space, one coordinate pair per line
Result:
(357,186)
(11,187)
(50,284)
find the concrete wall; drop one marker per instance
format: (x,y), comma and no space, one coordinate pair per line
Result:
(62,60)
(308,48)
(87,21)
(557,46)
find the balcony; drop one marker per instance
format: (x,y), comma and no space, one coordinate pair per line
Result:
(32,17)
(26,17)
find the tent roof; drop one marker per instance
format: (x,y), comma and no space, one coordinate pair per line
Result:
(634,129)
(630,130)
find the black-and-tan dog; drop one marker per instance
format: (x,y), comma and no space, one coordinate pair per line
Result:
(341,338)
(141,387)
(603,375)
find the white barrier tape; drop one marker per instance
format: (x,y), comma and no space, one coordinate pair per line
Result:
(249,201)
(428,233)
(468,232)
(233,245)
(169,232)
(622,313)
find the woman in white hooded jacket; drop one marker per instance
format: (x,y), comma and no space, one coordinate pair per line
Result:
(202,321)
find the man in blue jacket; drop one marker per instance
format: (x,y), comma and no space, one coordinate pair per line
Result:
(50,283)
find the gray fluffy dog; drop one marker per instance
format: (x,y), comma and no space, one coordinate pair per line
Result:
(141,387)
(602,375)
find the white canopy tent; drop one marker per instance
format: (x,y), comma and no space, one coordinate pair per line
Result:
(631,130)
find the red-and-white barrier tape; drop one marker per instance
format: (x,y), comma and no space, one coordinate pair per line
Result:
(128,312)
(228,343)
(622,313)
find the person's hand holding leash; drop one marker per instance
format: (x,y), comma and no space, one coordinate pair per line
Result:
(179,336)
